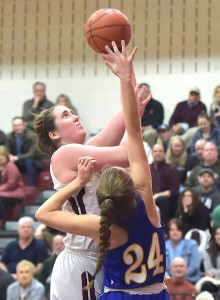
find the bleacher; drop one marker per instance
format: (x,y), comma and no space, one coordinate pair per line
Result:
(34,198)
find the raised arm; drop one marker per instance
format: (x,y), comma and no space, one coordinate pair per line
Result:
(140,171)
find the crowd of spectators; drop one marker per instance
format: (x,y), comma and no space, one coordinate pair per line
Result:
(185,168)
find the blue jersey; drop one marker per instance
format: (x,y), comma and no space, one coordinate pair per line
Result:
(141,260)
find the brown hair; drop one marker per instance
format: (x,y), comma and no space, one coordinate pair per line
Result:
(179,224)
(195,200)
(43,124)
(116,195)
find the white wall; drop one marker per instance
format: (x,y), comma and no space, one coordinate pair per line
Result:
(178,43)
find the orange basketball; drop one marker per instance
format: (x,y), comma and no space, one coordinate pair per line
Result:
(107,25)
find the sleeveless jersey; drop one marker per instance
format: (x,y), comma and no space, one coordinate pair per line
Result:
(85,202)
(141,260)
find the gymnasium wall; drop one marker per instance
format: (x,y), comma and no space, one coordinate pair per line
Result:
(178,41)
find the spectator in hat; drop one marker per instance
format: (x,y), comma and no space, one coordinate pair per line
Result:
(184,118)
(153,116)
(210,161)
(164,135)
(207,190)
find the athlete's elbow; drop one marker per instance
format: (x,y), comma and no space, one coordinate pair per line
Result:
(39,215)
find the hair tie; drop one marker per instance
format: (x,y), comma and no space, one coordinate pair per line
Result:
(108,197)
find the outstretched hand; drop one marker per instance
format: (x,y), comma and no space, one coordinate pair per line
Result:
(86,166)
(120,63)
(142,102)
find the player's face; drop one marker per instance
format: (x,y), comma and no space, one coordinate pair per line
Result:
(24,276)
(68,126)
(174,233)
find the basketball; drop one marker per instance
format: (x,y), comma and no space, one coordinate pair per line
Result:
(107,25)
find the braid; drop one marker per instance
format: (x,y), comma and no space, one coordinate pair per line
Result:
(105,232)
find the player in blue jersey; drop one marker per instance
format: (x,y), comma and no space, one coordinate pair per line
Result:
(128,232)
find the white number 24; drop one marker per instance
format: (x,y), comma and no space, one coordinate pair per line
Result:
(154,260)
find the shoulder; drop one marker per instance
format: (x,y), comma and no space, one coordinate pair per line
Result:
(182,103)
(11,244)
(12,286)
(190,243)
(28,102)
(38,244)
(37,284)
(49,102)
(157,103)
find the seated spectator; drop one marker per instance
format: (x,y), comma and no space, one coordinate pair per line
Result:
(5,280)
(165,187)
(192,211)
(207,190)
(26,287)
(11,184)
(65,101)
(210,161)
(196,158)
(211,262)
(184,118)
(178,246)
(205,131)
(35,105)
(22,146)
(176,155)
(177,282)
(215,107)
(25,247)
(164,135)
(153,116)
(44,273)
(205,296)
